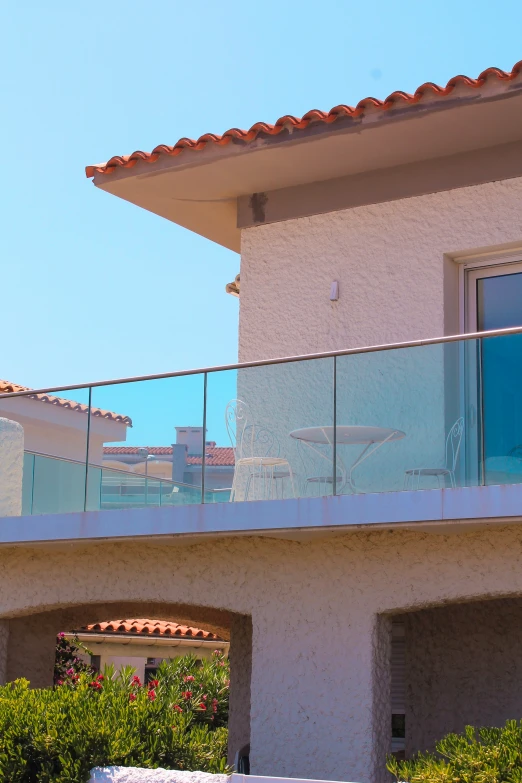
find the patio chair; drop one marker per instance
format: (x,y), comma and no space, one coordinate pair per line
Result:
(453,442)
(260,473)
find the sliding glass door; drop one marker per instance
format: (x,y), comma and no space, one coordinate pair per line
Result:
(494,301)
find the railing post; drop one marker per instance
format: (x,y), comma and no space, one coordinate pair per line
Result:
(203,455)
(334,454)
(87,452)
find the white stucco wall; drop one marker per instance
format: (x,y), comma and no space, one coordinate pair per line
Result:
(321,615)
(397,283)
(388,259)
(11,467)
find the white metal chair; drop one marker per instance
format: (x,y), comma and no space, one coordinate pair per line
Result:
(453,441)
(259,471)
(317,462)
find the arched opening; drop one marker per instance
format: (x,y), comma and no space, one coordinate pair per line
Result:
(31,645)
(454,665)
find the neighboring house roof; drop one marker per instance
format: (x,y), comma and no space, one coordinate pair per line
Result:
(6,387)
(149,628)
(235,287)
(398,98)
(214,455)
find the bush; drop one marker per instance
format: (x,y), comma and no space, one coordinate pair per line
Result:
(66,660)
(476,756)
(177,721)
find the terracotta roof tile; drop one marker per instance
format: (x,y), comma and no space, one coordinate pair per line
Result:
(396,99)
(8,388)
(150,628)
(215,455)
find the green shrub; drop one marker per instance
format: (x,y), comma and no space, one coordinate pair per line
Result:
(477,756)
(177,721)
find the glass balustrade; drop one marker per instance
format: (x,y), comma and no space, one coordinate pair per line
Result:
(440,415)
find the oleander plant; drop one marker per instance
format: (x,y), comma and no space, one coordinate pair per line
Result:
(176,721)
(484,755)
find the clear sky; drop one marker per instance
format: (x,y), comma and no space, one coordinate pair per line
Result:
(93,287)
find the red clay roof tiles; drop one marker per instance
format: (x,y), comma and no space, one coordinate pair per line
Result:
(9,388)
(301,123)
(215,456)
(150,628)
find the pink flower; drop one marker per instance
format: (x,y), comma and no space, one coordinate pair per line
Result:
(61,635)
(186,694)
(59,682)
(70,672)
(177,708)
(152,695)
(188,678)
(216,652)
(202,706)
(132,697)
(204,696)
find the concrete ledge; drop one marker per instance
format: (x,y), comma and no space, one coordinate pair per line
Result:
(438,507)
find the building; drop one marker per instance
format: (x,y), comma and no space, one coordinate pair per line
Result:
(144,644)
(382,244)
(181,462)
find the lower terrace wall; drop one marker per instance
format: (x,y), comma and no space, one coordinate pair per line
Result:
(321,622)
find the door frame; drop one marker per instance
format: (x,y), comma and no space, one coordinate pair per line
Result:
(469,268)
(472,269)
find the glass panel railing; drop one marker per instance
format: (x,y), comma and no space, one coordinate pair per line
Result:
(28,484)
(55,444)
(421,417)
(276,419)
(146,443)
(401,418)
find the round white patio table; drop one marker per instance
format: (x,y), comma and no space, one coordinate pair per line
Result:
(349,435)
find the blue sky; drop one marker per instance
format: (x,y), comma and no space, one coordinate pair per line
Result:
(96,288)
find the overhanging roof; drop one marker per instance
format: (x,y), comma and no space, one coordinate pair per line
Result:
(197,183)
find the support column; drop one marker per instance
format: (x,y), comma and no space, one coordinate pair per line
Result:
(4,641)
(321,695)
(31,650)
(240,678)
(11,467)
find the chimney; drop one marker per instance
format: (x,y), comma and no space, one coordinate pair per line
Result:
(192,438)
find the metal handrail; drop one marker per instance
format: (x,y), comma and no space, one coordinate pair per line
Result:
(267,362)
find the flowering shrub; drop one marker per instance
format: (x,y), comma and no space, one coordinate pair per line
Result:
(66,662)
(59,734)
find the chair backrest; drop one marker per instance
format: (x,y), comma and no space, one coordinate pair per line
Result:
(248,439)
(453,442)
(236,420)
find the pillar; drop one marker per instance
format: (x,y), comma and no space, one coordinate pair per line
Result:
(240,656)
(11,467)
(321,695)
(31,650)
(4,641)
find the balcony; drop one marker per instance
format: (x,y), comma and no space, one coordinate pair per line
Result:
(433,415)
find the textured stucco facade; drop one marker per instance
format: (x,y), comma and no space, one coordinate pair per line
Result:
(11,467)
(389,259)
(321,622)
(398,282)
